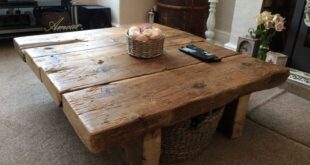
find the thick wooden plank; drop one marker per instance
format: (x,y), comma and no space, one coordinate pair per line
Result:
(39,57)
(102,67)
(117,36)
(233,120)
(240,117)
(65,72)
(22,43)
(151,147)
(104,115)
(173,37)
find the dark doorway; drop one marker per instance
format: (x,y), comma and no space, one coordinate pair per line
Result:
(301,56)
(298,43)
(295,40)
(285,8)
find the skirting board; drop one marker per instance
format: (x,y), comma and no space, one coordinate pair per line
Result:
(231,46)
(115,24)
(221,36)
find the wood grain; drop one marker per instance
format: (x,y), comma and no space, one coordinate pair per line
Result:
(151,147)
(234,117)
(22,43)
(37,57)
(110,97)
(124,109)
(70,67)
(240,116)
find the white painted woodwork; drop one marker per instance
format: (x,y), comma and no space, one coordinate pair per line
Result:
(243,19)
(307,13)
(210,34)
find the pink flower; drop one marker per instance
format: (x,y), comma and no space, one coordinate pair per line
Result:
(279,26)
(278,18)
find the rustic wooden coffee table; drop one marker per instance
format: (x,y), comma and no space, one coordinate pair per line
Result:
(110,97)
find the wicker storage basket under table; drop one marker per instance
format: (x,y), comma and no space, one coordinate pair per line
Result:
(185,140)
(149,49)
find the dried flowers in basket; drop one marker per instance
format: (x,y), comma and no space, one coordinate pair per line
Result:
(145,41)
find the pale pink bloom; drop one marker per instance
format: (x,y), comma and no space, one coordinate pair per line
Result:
(278,18)
(279,26)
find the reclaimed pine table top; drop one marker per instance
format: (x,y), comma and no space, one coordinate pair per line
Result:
(110,97)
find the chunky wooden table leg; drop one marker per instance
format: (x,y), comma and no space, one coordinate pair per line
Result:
(233,120)
(151,147)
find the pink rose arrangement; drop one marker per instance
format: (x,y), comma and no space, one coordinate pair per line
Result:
(144,33)
(268,25)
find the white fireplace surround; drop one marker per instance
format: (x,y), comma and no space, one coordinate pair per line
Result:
(243,19)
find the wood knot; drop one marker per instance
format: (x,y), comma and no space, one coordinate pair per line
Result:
(199,85)
(100,62)
(102,69)
(246,64)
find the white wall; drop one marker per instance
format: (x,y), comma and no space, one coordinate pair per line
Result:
(244,18)
(128,11)
(135,11)
(224,17)
(115,9)
(234,17)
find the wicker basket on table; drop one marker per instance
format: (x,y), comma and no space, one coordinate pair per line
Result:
(187,139)
(149,49)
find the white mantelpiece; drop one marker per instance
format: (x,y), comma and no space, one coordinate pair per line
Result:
(244,18)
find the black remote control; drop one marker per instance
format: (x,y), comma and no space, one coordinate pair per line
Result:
(199,53)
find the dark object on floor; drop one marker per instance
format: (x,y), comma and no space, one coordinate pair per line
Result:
(7,21)
(18,3)
(47,15)
(187,139)
(14,20)
(94,17)
(187,15)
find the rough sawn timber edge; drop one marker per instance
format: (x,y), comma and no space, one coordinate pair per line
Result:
(97,143)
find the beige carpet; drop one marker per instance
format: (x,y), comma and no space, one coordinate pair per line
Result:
(286,114)
(33,131)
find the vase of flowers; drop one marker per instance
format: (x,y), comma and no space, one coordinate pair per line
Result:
(267,26)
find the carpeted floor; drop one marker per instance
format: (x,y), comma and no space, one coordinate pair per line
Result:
(286,114)
(33,131)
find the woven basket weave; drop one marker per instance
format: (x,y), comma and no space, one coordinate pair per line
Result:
(149,49)
(187,139)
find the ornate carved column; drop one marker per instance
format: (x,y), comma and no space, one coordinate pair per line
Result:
(210,34)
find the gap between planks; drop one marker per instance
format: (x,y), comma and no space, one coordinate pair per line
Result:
(37,69)
(59,96)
